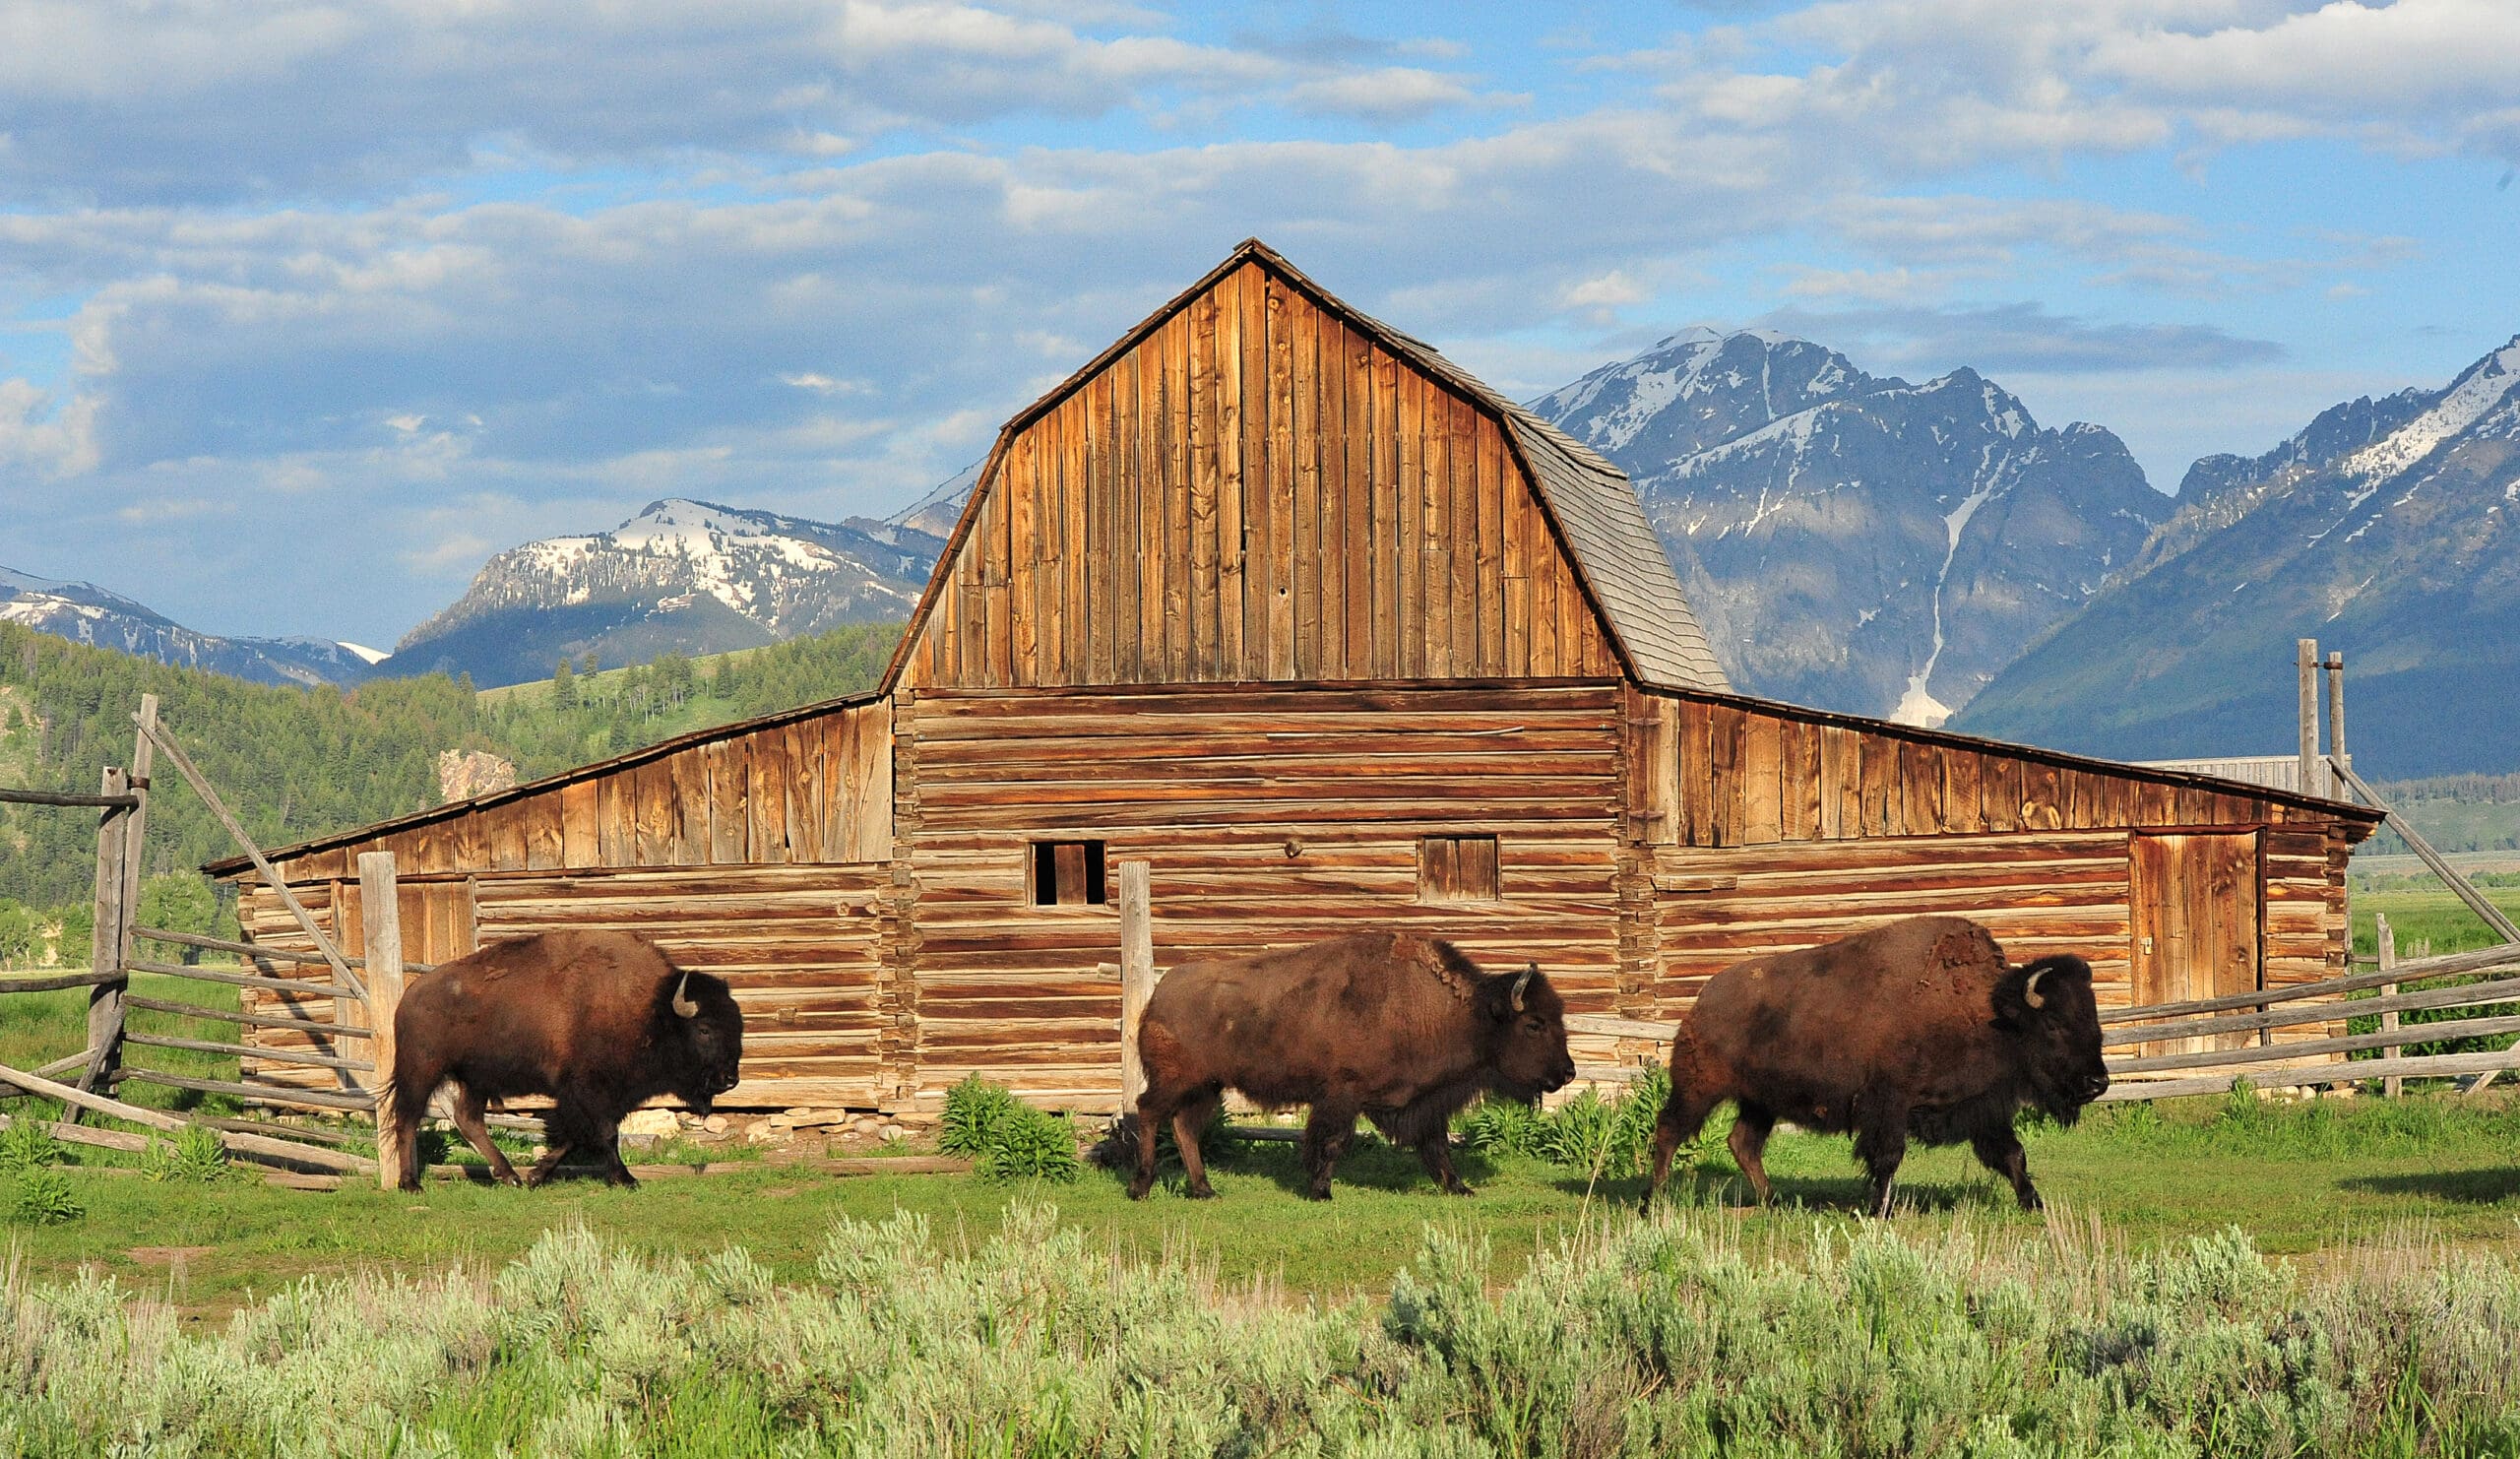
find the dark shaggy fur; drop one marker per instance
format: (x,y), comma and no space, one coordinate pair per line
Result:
(587,1018)
(1916,1029)
(1402,1029)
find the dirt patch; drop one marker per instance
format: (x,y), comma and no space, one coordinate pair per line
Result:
(164,1255)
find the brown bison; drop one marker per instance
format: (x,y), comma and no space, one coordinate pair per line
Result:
(1405,1030)
(1919,1028)
(599,1021)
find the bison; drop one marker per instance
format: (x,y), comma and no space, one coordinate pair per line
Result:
(1405,1030)
(1919,1028)
(599,1021)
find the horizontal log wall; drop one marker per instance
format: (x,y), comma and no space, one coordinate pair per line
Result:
(1271,818)
(800,946)
(816,790)
(1774,832)
(1256,493)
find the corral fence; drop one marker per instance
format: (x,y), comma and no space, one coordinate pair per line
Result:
(350,1037)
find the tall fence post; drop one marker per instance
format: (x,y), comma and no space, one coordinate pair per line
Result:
(2312,782)
(1137,976)
(106,943)
(2385,938)
(380,922)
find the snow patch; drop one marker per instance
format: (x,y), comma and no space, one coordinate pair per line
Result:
(365,653)
(2468,398)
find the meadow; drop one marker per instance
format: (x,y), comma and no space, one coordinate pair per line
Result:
(2212,1276)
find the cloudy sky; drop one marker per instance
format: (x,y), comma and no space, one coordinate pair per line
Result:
(311,305)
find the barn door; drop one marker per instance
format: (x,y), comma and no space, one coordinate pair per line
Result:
(2198,906)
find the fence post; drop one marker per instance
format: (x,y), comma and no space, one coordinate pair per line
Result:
(2385,938)
(380,921)
(1137,976)
(2312,782)
(106,945)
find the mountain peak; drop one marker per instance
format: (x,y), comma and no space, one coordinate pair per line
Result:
(682,575)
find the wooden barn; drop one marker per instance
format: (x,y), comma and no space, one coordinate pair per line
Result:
(1277,599)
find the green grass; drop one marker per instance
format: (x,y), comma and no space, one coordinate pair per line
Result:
(37,1028)
(2304,1180)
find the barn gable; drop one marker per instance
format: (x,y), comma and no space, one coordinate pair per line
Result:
(1261,484)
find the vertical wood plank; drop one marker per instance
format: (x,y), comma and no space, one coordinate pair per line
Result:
(1360,553)
(1076,550)
(1999,788)
(653,822)
(1489,469)
(1697,773)
(1546,572)
(1315,615)
(1964,810)
(1096,501)
(807,786)
(1205,596)
(1178,584)
(1762,780)
(1841,783)
(1881,785)
(1461,534)
(730,788)
(997,606)
(765,799)
(1798,751)
(1137,974)
(1516,557)
(616,810)
(1723,737)
(544,839)
(1921,787)
(1285,531)
(1050,548)
(579,843)
(1021,486)
(1409,497)
(1390,614)
(507,836)
(1233,484)
(687,784)
(2038,808)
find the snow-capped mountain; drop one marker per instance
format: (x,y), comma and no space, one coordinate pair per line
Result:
(682,576)
(2384,530)
(84,612)
(1853,541)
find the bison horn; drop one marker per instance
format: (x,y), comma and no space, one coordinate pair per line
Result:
(1523,982)
(2030,989)
(683,1005)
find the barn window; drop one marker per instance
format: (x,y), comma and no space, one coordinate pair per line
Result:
(1457,868)
(1068,873)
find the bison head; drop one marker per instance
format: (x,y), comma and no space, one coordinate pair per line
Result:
(2048,1008)
(704,1032)
(1522,1034)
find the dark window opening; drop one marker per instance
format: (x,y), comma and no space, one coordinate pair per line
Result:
(1457,868)
(1068,873)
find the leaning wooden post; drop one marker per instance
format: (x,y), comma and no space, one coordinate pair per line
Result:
(2312,782)
(380,922)
(107,1003)
(1137,976)
(106,943)
(2385,938)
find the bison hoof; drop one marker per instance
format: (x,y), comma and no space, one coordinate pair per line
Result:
(1137,1190)
(1201,1192)
(1458,1188)
(2029,1201)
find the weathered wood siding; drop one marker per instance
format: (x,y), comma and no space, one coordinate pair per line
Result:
(1270,818)
(801,947)
(1256,491)
(816,789)
(1771,831)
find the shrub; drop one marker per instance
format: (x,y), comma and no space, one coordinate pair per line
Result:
(43,1198)
(193,1154)
(27,1145)
(1005,1138)
(1587,1133)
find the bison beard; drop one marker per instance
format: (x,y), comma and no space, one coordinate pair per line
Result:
(1404,1030)
(1915,1029)
(600,1021)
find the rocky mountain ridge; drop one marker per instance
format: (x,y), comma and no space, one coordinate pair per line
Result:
(682,576)
(85,614)
(2385,529)
(1854,541)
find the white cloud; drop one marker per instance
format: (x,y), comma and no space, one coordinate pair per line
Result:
(42,433)
(1390,94)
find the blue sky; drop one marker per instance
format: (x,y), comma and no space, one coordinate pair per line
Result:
(307,308)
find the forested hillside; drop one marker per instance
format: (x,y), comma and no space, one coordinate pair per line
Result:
(294,763)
